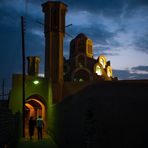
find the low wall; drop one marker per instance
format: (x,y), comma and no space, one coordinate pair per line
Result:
(71,88)
(106,114)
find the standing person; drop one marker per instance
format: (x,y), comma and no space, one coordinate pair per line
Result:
(32,123)
(40,124)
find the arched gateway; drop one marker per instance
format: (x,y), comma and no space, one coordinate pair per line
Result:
(35,106)
(38,98)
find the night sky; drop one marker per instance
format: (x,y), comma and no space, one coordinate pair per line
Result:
(118,28)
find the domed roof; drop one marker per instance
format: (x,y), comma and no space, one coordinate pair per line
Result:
(80,35)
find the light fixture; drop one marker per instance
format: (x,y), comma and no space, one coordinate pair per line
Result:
(35,82)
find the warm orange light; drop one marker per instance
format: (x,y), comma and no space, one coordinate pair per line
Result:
(89,49)
(42,106)
(102,60)
(109,71)
(98,70)
(31,109)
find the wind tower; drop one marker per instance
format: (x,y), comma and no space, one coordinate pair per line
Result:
(54,29)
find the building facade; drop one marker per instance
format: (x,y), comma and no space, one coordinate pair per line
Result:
(63,77)
(81,66)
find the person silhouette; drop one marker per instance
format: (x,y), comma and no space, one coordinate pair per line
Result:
(40,124)
(32,124)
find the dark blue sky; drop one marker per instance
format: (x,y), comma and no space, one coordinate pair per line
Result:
(118,28)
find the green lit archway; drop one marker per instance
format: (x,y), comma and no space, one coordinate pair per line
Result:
(35,105)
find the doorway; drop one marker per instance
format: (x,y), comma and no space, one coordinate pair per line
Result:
(34,107)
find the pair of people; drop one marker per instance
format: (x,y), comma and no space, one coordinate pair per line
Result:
(39,123)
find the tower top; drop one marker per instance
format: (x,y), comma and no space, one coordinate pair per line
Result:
(55,12)
(57,4)
(81,35)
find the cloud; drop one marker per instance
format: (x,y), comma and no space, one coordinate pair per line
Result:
(10,38)
(104,50)
(106,54)
(137,3)
(10,56)
(107,8)
(121,74)
(124,32)
(140,69)
(126,74)
(117,28)
(98,33)
(141,43)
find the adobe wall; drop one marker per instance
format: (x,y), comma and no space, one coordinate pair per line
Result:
(15,100)
(105,114)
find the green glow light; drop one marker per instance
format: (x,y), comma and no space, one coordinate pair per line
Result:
(36,82)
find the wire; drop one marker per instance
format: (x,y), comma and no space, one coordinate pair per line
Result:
(26,7)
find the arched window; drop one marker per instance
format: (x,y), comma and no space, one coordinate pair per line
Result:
(109,71)
(98,70)
(89,48)
(102,60)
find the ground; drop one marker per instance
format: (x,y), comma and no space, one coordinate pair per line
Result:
(35,143)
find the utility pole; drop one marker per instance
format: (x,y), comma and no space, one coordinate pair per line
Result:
(23,72)
(2,95)
(3,91)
